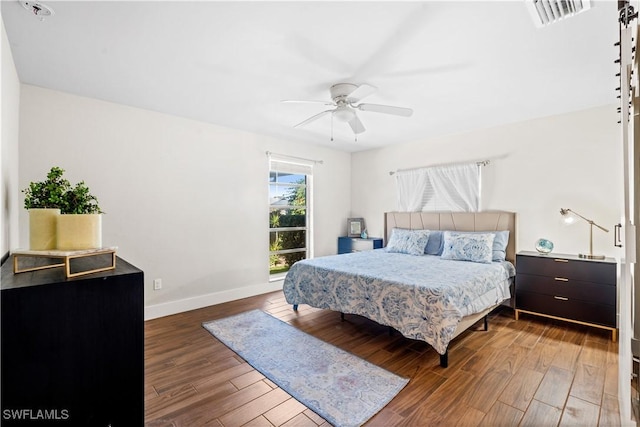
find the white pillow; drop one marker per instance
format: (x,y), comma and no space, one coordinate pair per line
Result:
(412,242)
(475,247)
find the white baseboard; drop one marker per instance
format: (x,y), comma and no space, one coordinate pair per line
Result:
(179,306)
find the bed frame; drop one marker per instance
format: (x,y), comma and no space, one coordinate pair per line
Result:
(458,221)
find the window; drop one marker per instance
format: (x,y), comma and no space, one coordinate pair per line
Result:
(289,213)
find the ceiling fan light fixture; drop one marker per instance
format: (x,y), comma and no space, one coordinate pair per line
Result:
(344,114)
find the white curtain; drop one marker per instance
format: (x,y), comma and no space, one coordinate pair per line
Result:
(412,185)
(440,188)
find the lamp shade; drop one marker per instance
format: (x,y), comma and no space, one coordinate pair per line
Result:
(567,218)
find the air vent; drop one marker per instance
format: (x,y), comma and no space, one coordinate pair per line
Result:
(545,12)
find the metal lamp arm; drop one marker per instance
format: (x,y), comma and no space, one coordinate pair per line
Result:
(590,255)
(588,220)
(600,227)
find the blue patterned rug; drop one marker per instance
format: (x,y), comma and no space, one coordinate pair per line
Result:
(340,387)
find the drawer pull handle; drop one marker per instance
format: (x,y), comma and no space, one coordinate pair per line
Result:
(561,279)
(562,298)
(561,260)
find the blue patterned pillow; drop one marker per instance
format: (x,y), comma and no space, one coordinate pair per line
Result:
(500,242)
(412,242)
(475,247)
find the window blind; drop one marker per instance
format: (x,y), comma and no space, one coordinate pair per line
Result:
(290,167)
(286,164)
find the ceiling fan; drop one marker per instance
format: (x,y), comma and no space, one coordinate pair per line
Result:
(345,98)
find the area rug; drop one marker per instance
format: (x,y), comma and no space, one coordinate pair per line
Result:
(340,387)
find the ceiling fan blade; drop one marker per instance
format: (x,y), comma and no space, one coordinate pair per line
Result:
(386,109)
(356,125)
(296,101)
(406,31)
(361,92)
(313,118)
(419,72)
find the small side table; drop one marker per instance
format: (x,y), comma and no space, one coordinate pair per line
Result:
(65,257)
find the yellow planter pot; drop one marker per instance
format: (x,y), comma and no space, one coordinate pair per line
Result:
(42,229)
(79,231)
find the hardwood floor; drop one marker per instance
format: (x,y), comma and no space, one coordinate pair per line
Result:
(530,372)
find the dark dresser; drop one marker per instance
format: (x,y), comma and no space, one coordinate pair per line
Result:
(72,349)
(567,287)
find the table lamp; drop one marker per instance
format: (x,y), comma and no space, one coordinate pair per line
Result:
(569,217)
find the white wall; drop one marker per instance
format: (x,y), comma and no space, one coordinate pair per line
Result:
(185,201)
(9,110)
(572,161)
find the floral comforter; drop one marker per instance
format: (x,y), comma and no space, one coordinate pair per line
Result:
(423,297)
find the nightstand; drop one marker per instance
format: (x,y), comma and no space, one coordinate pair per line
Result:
(567,287)
(357,244)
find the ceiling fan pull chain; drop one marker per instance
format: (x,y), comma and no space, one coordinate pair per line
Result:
(331,127)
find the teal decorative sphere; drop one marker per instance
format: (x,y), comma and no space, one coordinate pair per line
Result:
(544,246)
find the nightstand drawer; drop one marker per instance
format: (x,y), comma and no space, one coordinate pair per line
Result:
(583,270)
(567,308)
(569,288)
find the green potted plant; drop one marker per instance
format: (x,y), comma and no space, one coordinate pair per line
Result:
(44,201)
(80,225)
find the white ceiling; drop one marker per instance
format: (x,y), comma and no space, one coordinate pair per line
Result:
(459,65)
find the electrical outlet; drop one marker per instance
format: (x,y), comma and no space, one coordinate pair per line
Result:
(157,284)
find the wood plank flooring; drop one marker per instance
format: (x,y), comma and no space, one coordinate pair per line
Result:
(530,372)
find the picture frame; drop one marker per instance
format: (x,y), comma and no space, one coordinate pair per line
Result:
(355,227)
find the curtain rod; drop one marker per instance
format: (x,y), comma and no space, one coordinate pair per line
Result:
(269,153)
(479,163)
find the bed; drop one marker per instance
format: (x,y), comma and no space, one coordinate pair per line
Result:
(424,296)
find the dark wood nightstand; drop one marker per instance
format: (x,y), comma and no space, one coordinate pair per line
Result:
(567,287)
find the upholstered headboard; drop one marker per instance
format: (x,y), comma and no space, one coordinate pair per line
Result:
(458,221)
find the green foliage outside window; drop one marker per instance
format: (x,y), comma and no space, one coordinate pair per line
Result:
(294,215)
